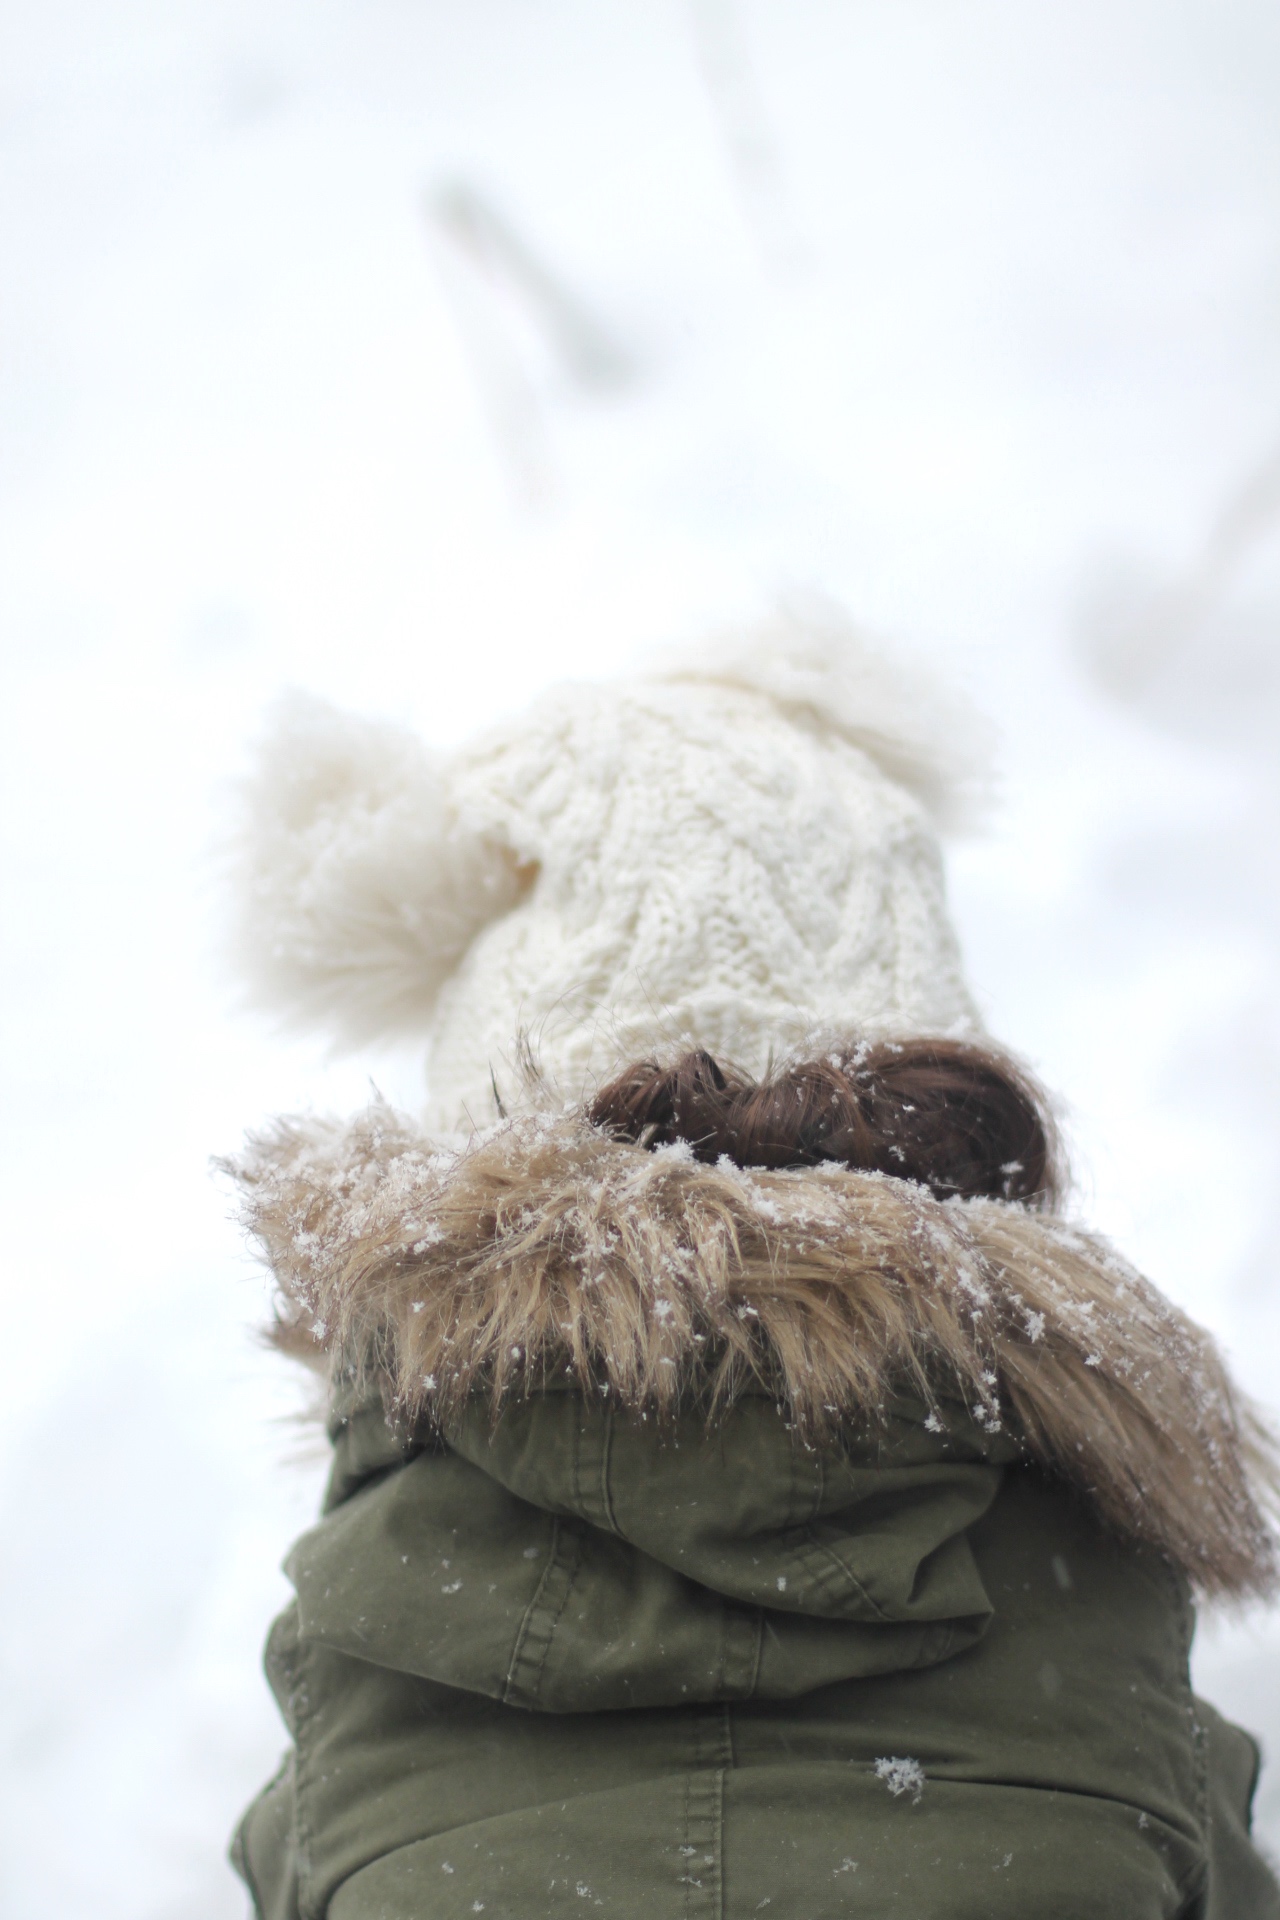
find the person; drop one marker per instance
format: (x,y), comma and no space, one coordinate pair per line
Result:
(751,1493)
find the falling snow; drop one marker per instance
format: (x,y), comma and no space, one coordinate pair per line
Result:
(177,353)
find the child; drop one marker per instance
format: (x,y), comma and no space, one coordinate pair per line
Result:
(749,1496)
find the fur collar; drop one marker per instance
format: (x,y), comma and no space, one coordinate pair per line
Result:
(545,1247)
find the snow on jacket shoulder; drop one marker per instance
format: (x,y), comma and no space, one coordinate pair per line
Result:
(704,1542)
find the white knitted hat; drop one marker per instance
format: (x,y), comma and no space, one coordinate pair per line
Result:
(738,852)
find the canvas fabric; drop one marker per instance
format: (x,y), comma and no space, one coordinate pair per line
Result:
(585,1661)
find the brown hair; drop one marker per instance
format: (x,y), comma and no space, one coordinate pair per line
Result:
(956,1118)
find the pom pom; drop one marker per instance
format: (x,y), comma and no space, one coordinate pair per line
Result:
(814,664)
(357,883)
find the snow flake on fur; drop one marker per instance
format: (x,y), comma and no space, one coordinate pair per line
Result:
(546,1247)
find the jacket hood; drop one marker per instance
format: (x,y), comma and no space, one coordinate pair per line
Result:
(571,1557)
(465,1282)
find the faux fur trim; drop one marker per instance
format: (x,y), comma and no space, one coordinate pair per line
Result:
(545,1247)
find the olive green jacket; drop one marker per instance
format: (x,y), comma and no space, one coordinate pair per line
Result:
(563,1645)
(584,1664)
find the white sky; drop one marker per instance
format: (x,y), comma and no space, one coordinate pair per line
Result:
(965,315)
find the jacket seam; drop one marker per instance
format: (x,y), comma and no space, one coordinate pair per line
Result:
(718,1843)
(299,1701)
(718,1790)
(567,1565)
(936,1644)
(703,1848)
(759,1656)
(738,1672)
(720,1680)
(571,1574)
(522,1631)
(606,1471)
(821,1562)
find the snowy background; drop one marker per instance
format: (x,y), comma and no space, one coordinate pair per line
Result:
(421,353)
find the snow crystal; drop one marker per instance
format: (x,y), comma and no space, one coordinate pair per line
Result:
(969,1283)
(901,1776)
(673,1150)
(454,1586)
(933,1424)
